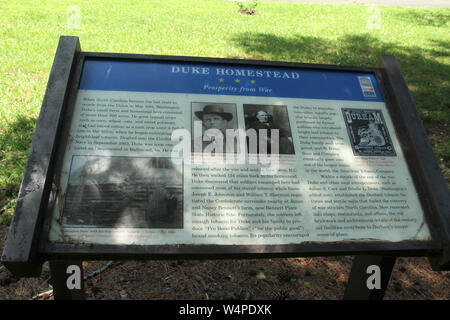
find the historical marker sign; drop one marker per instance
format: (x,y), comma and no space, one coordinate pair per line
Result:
(346,177)
(174,156)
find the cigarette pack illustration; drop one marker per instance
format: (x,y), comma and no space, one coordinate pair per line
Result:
(368,133)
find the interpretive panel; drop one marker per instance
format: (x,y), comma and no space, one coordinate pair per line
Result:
(164,152)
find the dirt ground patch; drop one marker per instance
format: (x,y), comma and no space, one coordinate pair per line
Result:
(274,279)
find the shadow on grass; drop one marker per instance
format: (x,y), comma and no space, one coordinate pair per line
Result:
(441,48)
(425,18)
(426,77)
(15,143)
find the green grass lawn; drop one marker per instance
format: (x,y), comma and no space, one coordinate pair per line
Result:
(298,32)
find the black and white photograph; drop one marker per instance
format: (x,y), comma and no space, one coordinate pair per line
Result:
(368,133)
(269,117)
(124,192)
(211,135)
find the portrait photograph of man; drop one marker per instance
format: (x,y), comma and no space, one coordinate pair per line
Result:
(214,128)
(263,119)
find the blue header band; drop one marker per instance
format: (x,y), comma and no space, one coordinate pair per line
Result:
(228,79)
